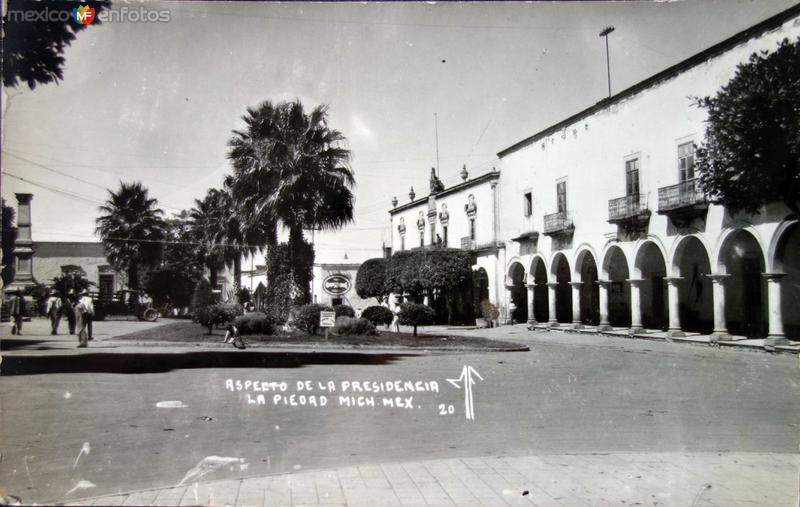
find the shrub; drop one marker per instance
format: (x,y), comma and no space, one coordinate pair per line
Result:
(307,317)
(412,314)
(489,311)
(378,315)
(344,310)
(351,326)
(219,313)
(255,323)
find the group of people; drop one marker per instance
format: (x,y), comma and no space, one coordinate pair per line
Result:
(77,308)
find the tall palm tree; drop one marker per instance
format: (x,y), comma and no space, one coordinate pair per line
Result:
(132,229)
(291,167)
(205,220)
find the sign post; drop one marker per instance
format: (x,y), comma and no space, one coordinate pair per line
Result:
(327,320)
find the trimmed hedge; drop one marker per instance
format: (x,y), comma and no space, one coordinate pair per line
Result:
(219,313)
(378,315)
(307,317)
(412,314)
(352,326)
(344,310)
(255,323)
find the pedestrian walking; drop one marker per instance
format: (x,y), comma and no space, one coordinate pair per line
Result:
(82,309)
(396,321)
(87,301)
(67,305)
(232,336)
(17,310)
(53,310)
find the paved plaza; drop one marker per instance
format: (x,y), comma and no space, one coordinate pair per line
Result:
(577,420)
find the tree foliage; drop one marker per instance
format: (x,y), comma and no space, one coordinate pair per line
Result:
(132,229)
(751,155)
(9,241)
(291,168)
(416,315)
(33,46)
(371,280)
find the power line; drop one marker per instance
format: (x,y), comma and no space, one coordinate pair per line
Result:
(54,189)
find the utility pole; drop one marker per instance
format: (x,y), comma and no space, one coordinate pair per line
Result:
(607,30)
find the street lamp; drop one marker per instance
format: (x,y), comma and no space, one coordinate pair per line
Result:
(607,30)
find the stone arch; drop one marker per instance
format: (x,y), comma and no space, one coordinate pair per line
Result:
(586,272)
(537,274)
(615,269)
(740,255)
(560,274)
(691,262)
(650,266)
(783,255)
(645,244)
(677,250)
(518,305)
(725,236)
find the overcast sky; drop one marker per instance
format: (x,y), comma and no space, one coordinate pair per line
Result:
(156,102)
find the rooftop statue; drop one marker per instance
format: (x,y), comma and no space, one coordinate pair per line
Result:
(436,184)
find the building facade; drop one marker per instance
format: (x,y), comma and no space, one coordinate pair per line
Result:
(463,216)
(600,220)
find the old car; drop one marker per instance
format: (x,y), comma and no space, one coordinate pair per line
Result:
(124,303)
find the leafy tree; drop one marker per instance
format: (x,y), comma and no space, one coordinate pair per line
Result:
(447,272)
(74,282)
(291,168)
(9,240)
(32,46)
(752,148)
(307,317)
(412,314)
(132,230)
(378,315)
(371,280)
(173,282)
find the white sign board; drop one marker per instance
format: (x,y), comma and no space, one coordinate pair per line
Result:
(327,319)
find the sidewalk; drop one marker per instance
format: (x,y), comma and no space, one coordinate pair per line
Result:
(561,480)
(520,332)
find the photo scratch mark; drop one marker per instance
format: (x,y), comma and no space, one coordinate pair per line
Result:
(171,404)
(207,465)
(86,449)
(82,484)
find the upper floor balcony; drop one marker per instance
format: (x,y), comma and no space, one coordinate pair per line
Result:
(685,200)
(629,211)
(558,223)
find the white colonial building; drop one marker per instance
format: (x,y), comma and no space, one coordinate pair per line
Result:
(598,219)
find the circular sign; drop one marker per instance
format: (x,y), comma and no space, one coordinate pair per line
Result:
(336,285)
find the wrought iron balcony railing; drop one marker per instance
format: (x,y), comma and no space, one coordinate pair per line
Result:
(684,194)
(556,223)
(628,207)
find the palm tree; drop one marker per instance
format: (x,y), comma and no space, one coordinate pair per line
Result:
(205,220)
(132,229)
(291,167)
(217,223)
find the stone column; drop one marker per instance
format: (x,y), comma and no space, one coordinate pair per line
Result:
(576,304)
(718,289)
(636,306)
(531,307)
(776,335)
(673,298)
(605,325)
(23,246)
(551,296)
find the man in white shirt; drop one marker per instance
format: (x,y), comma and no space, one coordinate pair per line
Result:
(84,309)
(53,310)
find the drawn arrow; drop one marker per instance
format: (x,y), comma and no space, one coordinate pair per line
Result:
(466,379)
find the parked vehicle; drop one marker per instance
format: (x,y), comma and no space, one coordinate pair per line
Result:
(124,303)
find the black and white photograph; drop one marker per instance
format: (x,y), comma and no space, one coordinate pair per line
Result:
(400,254)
